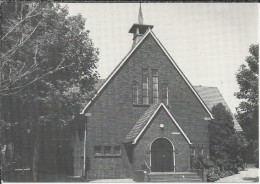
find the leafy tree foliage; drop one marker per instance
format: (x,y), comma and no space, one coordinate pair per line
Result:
(247,78)
(226,145)
(48,69)
(40,40)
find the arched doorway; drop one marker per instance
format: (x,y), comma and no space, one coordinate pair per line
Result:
(162,156)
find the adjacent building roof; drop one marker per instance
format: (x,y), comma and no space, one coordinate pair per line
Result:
(145,120)
(212,96)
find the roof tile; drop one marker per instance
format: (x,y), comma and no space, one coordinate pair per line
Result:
(139,125)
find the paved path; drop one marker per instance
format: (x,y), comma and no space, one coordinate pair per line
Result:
(113,181)
(247,176)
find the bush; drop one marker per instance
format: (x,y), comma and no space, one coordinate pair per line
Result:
(224,174)
(231,173)
(204,161)
(241,168)
(235,170)
(212,177)
(207,163)
(214,173)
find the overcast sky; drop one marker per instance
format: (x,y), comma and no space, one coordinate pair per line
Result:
(209,41)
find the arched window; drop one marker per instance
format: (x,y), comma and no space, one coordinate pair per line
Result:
(135,92)
(165,94)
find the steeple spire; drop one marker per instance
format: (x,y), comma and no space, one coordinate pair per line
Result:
(140,15)
(140,28)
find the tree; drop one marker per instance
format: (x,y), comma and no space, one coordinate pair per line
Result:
(38,40)
(247,111)
(48,70)
(247,78)
(226,145)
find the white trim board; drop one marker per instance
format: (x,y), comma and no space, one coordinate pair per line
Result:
(149,31)
(172,118)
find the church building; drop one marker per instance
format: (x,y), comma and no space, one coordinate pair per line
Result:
(146,114)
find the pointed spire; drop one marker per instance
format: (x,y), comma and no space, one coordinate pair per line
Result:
(140,15)
(140,28)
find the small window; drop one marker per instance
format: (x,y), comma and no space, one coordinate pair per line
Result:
(107,150)
(97,150)
(165,94)
(135,92)
(117,150)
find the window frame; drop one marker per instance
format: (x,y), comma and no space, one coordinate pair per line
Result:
(110,150)
(145,86)
(155,85)
(118,153)
(135,94)
(165,93)
(107,151)
(97,153)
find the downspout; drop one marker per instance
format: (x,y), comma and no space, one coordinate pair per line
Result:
(85,143)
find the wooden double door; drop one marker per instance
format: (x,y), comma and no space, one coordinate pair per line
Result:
(162,157)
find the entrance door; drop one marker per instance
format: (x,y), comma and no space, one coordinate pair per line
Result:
(162,156)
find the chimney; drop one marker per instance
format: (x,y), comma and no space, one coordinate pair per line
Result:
(139,29)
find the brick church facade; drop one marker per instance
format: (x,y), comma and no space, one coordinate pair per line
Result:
(146,114)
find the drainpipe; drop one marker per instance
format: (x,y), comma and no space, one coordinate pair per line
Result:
(85,142)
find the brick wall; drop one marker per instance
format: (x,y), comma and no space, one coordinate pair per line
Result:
(113,114)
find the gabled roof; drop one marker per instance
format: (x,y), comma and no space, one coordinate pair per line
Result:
(212,96)
(141,125)
(149,32)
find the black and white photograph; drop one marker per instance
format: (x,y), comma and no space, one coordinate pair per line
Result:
(123,92)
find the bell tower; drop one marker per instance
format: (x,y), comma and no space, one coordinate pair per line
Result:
(139,29)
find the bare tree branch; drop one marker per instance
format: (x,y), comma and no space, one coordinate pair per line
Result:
(27,16)
(37,78)
(20,44)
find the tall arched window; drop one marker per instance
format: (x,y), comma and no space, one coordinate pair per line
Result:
(165,93)
(155,85)
(135,92)
(145,86)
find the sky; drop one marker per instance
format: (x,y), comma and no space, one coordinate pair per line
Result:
(208,41)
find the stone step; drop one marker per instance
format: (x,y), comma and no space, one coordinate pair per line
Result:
(174,177)
(178,181)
